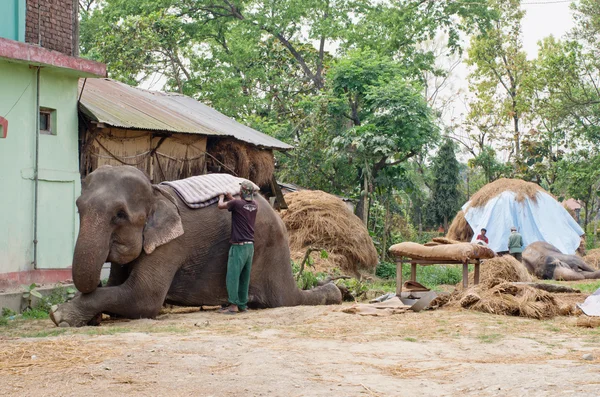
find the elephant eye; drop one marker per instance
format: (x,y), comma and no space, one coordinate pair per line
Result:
(121,215)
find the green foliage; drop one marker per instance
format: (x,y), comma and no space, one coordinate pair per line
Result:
(355,287)
(488,162)
(386,270)
(446,199)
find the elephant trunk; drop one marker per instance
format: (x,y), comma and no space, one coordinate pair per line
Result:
(91,251)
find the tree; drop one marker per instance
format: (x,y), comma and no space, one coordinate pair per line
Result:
(499,80)
(390,119)
(579,178)
(445,198)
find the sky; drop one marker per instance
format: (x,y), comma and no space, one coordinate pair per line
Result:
(542,20)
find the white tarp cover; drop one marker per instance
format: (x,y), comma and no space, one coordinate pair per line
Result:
(591,305)
(542,220)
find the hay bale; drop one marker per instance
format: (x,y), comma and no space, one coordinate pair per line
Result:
(321,220)
(499,297)
(262,166)
(459,229)
(522,189)
(497,294)
(592,258)
(505,268)
(243,160)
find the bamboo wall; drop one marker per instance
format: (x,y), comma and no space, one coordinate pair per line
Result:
(162,158)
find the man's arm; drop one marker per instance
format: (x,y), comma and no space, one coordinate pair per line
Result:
(222,204)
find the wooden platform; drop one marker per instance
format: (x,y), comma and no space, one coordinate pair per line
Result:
(413,270)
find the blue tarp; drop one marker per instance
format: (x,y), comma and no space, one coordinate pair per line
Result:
(544,219)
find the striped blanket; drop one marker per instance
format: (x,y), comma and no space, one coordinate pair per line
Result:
(203,190)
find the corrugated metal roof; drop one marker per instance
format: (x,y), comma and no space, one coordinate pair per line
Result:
(120,105)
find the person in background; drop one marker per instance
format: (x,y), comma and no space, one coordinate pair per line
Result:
(515,244)
(483,237)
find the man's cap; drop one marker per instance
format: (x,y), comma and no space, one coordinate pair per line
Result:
(513,229)
(247,190)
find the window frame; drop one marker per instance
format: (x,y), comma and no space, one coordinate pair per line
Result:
(50,115)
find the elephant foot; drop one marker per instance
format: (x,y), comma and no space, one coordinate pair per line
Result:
(64,316)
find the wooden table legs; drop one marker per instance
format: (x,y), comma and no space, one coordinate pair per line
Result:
(413,272)
(399,281)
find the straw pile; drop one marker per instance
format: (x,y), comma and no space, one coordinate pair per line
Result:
(497,295)
(522,189)
(462,231)
(505,268)
(319,220)
(592,258)
(54,355)
(243,160)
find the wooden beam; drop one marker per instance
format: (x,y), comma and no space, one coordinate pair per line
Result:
(276,190)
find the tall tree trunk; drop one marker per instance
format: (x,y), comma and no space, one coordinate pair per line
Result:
(386,226)
(362,210)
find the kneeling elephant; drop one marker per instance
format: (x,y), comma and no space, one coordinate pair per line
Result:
(162,251)
(545,261)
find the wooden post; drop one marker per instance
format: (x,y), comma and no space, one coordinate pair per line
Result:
(399,262)
(413,272)
(476,273)
(466,274)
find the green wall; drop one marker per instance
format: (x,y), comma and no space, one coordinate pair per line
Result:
(59,183)
(12,19)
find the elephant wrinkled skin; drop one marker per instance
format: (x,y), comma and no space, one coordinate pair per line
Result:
(162,251)
(545,261)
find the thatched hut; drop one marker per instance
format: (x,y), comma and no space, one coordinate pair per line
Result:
(512,202)
(168,136)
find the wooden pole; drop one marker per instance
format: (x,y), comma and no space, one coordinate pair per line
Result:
(399,263)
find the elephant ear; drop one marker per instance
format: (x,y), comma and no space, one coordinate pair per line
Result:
(164,221)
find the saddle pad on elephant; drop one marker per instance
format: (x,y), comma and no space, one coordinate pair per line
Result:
(454,252)
(203,190)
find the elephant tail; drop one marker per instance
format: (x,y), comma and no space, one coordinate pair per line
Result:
(327,294)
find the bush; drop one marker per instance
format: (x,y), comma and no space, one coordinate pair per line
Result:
(386,270)
(429,276)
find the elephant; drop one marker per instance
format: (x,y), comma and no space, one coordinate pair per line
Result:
(162,251)
(545,261)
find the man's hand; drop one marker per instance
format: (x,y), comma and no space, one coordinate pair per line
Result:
(222,205)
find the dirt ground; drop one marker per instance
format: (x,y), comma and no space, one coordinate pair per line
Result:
(303,351)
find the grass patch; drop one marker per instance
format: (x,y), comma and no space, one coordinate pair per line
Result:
(429,276)
(44,333)
(489,338)
(35,314)
(410,339)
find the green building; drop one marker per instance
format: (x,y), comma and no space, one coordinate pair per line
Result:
(39,161)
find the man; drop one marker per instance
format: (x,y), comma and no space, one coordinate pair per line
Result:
(243,215)
(482,236)
(515,244)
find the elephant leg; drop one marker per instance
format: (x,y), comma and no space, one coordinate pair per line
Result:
(591,275)
(566,274)
(118,275)
(140,296)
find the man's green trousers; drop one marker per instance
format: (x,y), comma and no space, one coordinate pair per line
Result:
(239,265)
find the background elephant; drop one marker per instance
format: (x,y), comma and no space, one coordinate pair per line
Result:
(161,250)
(545,261)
